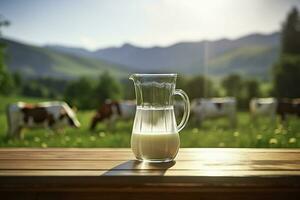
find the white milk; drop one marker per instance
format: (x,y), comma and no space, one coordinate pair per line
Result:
(154,135)
(155,146)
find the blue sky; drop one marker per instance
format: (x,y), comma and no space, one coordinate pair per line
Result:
(101,23)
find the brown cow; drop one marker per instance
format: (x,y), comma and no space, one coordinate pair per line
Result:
(107,111)
(288,107)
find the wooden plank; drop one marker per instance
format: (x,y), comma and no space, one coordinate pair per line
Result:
(136,165)
(223,173)
(184,154)
(169,195)
(151,183)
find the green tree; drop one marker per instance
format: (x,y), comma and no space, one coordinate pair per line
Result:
(6,81)
(181,81)
(200,86)
(17,79)
(79,93)
(33,89)
(107,88)
(252,89)
(286,71)
(290,39)
(287,77)
(233,85)
(85,93)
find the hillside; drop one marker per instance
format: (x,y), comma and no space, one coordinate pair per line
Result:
(33,61)
(252,60)
(251,55)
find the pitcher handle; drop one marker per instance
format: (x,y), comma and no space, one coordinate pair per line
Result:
(186,112)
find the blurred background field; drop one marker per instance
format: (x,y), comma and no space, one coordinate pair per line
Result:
(242,49)
(212,133)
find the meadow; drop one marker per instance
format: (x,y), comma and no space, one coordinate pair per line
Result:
(211,133)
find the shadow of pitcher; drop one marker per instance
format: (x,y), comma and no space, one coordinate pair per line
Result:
(139,168)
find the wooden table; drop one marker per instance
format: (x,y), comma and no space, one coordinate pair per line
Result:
(114,174)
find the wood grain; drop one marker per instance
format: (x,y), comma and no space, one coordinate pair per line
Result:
(58,173)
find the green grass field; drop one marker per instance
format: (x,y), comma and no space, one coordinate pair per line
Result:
(212,133)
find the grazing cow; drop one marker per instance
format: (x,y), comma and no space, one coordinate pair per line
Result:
(263,107)
(53,115)
(127,109)
(111,110)
(213,108)
(288,107)
(178,108)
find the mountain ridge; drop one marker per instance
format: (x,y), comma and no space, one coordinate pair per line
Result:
(33,61)
(250,55)
(186,57)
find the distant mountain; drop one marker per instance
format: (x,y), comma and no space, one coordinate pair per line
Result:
(251,55)
(33,61)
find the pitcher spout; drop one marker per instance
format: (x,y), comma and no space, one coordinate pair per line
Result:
(132,77)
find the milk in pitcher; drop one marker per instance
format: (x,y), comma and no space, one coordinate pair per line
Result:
(154,136)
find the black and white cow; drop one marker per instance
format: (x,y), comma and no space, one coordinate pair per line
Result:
(263,107)
(52,115)
(203,108)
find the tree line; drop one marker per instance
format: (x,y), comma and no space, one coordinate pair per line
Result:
(87,93)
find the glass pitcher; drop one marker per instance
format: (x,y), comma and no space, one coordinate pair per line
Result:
(155,135)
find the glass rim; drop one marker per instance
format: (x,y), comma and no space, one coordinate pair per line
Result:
(162,75)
